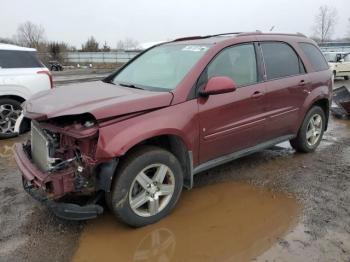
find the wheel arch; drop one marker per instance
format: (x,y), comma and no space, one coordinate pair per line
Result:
(175,145)
(324,104)
(14,97)
(170,142)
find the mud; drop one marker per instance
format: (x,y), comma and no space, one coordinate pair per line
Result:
(319,181)
(229,221)
(29,232)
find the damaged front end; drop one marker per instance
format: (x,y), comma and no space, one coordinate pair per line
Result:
(59,168)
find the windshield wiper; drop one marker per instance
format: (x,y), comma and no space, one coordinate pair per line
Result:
(131,86)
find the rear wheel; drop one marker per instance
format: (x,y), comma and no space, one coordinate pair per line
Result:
(147,186)
(10,110)
(311,131)
(346,77)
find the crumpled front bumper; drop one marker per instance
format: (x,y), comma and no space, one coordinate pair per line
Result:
(35,181)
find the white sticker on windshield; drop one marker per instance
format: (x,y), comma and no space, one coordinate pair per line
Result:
(195,48)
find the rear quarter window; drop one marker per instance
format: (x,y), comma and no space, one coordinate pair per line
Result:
(315,56)
(19,59)
(280,60)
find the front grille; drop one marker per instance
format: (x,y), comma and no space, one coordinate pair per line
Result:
(40,148)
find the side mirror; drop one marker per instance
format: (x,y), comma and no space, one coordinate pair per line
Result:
(218,85)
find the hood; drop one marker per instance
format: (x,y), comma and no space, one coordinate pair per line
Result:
(101,99)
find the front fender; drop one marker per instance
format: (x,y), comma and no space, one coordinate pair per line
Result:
(178,120)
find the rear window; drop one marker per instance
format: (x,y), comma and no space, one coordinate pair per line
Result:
(280,60)
(315,56)
(19,59)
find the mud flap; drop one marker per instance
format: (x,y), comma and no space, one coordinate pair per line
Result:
(104,175)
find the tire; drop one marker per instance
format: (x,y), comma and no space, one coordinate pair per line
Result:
(346,78)
(10,110)
(126,188)
(304,144)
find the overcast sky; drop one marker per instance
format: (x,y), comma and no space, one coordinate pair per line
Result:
(73,21)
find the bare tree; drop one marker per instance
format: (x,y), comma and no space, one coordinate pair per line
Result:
(57,50)
(106,47)
(30,35)
(127,44)
(130,43)
(325,22)
(120,45)
(91,45)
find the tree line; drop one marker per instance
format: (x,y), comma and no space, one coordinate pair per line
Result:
(32,35)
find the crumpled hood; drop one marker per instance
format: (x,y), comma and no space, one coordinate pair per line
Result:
(101,99)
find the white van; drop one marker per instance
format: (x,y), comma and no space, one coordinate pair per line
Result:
(339,63)
(22,74)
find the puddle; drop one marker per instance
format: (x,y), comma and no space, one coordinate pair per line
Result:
(6,149)
(222,222)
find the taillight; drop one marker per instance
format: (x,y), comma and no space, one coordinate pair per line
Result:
(49,75)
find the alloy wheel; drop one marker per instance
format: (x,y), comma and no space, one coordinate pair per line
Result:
(8,117)
(151,190)
(314,130)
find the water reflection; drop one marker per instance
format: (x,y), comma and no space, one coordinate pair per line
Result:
(223,222)
(158,245)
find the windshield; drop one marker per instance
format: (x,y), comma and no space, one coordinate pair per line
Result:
(162,67)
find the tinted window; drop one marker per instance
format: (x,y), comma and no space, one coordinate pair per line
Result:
(315,56)
(280,60)
(18,59)
(238,63)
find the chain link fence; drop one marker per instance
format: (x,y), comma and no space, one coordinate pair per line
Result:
(94,58)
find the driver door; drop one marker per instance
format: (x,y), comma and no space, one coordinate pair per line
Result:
(233,121)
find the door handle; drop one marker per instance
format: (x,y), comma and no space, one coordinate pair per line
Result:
(257,94)
(302,83)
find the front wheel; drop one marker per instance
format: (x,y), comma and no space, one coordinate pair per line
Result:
(346,77)
(10,110)
(147,186)
(311,131)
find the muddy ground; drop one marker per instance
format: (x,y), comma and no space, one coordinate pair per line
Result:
(285,207)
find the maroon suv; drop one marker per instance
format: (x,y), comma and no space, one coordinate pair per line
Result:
(140,135)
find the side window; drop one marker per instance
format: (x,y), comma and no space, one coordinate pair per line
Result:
(280,60)
(19,59)
(315,56)
(237,62)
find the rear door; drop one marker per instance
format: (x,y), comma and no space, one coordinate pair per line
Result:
(232,121)
(287,87)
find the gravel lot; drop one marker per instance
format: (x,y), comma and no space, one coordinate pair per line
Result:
(319,181)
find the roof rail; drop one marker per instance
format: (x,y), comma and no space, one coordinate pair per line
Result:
(223,34)
(190,38)
(203,37)
(257,32)
(270,33)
